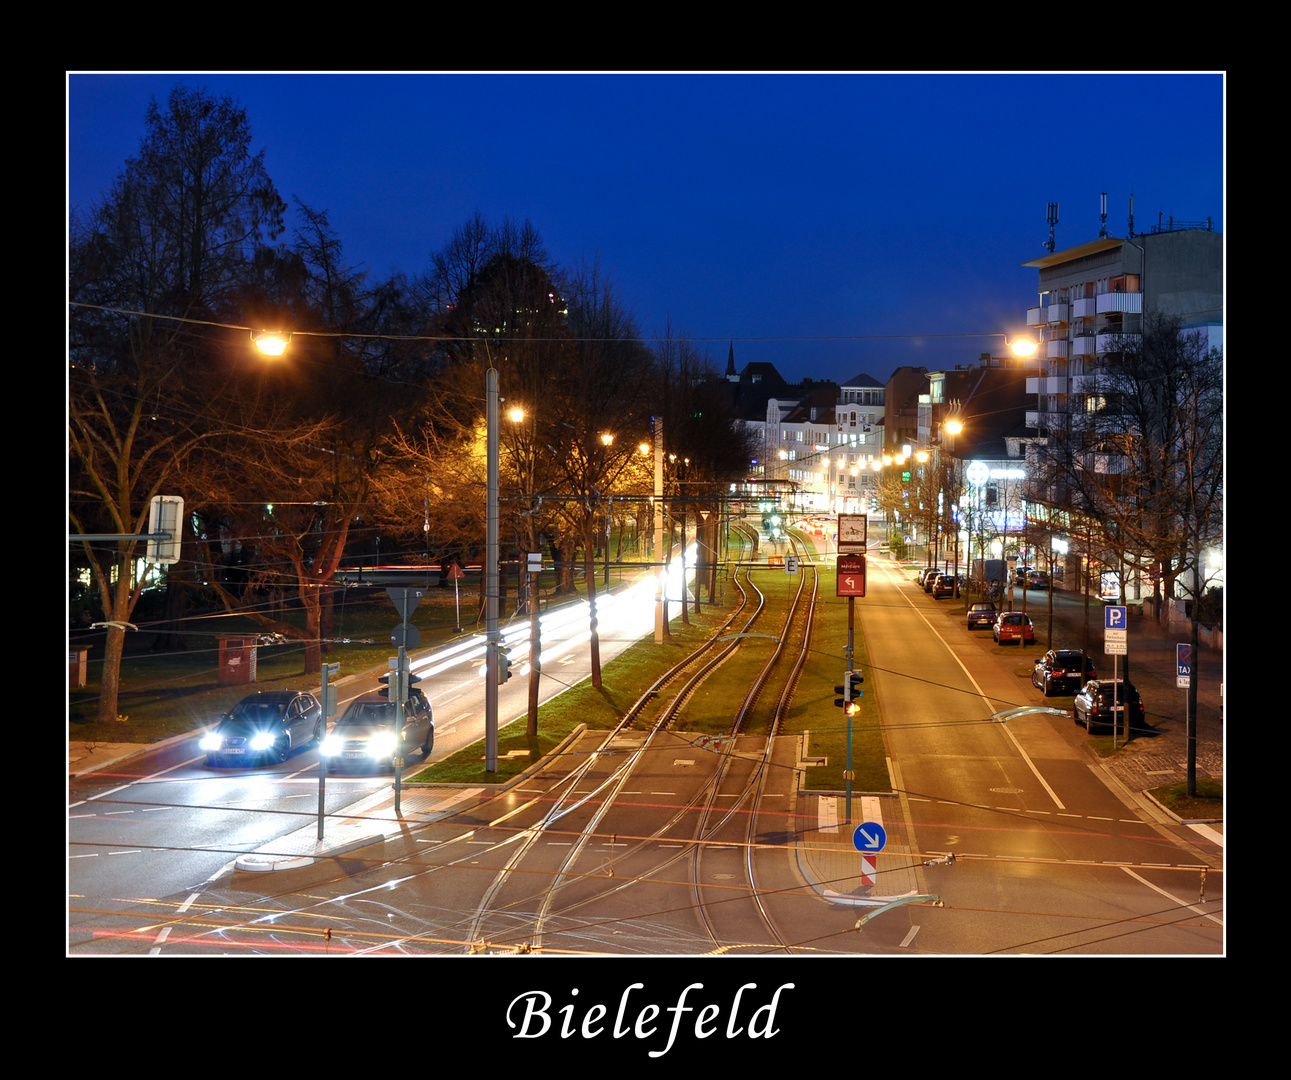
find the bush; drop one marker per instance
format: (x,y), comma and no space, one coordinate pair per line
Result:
(1210,612)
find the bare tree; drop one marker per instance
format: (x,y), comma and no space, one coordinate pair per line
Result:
(173,238)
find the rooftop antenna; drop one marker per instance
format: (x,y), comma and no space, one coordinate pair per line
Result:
(1103,231)
(1053,220)
(1131,215)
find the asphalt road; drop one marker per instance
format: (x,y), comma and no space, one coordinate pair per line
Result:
(1049,856)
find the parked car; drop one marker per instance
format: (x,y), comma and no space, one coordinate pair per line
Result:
(1037,579)
(1020,574)
(945,585)
(981,616)
(365,735)
(268,725)
(926,576)
(1101,700)
(1013,626)
(1058,671)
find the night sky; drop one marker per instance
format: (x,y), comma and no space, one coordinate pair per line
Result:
(829,224)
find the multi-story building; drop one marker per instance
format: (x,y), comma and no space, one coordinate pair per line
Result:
(823,442)
(1095,300)
(972,483)
(1094,295)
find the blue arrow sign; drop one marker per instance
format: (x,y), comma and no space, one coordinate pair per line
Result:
(869,836)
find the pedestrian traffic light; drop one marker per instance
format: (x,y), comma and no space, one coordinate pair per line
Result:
(504,663)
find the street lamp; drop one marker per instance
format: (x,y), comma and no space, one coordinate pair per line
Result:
(270,342)
(1022,347)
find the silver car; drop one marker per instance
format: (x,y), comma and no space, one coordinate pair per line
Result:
(366,737)
(265,726)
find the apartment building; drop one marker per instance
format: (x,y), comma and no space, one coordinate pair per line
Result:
(1093,303)
(1093,294)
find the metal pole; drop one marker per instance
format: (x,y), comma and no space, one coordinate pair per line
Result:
(328,670)
(659,627)
(401,675)
(491,579)
(851,624)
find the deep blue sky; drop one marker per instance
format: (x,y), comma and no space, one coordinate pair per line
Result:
(830,224)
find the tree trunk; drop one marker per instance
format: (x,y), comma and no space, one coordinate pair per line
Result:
(117,603)
(110,683)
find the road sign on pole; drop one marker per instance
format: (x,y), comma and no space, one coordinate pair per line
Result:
(869,836)
(851,575)
(1114,630)
(1183,658)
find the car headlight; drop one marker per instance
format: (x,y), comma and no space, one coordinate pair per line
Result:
(211,741)
(331,746)
(382,745)
(262,740)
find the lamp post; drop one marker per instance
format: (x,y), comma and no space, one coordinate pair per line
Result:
(952,426)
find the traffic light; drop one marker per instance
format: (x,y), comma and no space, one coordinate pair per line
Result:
(394,684)
(397,683)
(851,691)
(504,663)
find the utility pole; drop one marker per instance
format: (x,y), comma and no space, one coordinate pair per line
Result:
(660,623)
(491,578)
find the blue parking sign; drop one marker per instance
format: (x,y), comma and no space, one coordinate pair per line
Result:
(1114,618)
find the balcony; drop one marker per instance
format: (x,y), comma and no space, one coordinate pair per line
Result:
(1084,345)
(1047,384)
(1117,343)
(1131,303)
(1084,309)
(1058,349)
(1058,313)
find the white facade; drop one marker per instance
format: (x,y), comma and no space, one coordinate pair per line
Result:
(827,456)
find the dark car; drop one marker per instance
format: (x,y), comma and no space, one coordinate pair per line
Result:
(981,616)
(927,576)
(268,725)
(1103,699)
(365,735)
(1058,671)
(1037,579)
(1012,626)
(945,585)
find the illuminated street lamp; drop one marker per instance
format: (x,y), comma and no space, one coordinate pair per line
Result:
(1023,346)
(270,342)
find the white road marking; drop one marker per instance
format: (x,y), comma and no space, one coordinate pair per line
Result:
(1171,896)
